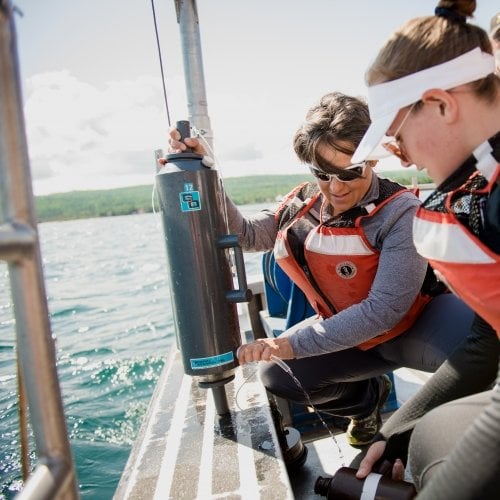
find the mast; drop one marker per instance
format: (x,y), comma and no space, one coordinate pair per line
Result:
(187,17)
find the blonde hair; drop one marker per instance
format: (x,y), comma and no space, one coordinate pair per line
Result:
(423,42)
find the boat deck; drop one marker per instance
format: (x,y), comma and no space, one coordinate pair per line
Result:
(326,456)
(185,450)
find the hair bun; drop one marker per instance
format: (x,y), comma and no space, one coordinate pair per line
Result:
(450,14)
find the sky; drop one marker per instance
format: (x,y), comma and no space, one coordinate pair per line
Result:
(92,87)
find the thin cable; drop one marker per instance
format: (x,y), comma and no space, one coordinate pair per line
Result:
(153,198)
(211,152)
(161,63)
(245,380)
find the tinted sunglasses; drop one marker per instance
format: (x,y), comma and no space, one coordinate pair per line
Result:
(348,174)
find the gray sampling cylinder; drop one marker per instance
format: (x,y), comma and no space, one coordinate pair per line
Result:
(200,278)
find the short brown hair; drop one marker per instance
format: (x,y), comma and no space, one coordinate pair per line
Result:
(338,120)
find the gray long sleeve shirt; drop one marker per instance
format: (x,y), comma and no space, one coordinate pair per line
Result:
(398,280)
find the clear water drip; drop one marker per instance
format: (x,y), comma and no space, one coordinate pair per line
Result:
(288,370)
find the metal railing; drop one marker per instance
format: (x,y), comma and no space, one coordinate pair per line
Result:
(54,474)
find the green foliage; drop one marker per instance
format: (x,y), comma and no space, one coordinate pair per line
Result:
(262,188)
(405,177)
(137,199)
(87,204)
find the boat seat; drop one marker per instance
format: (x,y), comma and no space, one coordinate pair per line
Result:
(286,303)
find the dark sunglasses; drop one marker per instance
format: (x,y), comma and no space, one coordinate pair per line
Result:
(348,174)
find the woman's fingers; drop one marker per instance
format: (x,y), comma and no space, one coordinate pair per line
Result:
(398,470)
(374,453)
(264,349)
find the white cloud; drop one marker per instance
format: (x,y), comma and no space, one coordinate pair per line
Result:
(82,136)
(97,123)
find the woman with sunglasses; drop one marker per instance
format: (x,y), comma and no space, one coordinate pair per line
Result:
(346,242)
(440,109)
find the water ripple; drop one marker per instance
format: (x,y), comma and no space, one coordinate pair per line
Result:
(110,313)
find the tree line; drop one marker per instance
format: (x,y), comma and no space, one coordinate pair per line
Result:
(139,199)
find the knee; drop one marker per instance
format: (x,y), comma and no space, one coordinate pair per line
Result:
(271,376)
(432,439)
(279,383)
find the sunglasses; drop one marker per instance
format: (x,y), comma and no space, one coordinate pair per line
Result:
(348,174)
(393,145)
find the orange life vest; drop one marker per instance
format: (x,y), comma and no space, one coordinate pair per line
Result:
(339,265)
(459,258)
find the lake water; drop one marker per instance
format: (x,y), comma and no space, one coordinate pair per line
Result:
(106,282)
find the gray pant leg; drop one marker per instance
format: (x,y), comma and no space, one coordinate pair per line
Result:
(471,369)
(340,383)
(439,431)
(443,325)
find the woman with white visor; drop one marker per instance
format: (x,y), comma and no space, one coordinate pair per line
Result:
(434,101)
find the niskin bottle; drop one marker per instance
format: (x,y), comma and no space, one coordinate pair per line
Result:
(200,278)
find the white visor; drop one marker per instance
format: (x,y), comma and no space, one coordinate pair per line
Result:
(386,99)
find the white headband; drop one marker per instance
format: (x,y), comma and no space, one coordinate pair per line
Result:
(386,99)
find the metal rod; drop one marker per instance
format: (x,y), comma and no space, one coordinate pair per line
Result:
(193,68)
(16,241)
(220,400)
(35,345)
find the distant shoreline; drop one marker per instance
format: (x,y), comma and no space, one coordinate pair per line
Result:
(137,199)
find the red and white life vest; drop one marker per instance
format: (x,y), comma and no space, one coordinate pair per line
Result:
(340,267)
(459,258)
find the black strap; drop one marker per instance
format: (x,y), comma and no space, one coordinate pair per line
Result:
(450,14)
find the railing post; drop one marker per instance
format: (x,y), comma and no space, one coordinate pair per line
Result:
(54,476)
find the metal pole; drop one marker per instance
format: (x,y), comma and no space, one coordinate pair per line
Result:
(220,400)
(187,17)
(35,345)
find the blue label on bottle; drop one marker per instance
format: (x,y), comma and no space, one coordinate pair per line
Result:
(202,363)
(190,199)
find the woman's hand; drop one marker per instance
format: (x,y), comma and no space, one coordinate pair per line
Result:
(176,146)
(263,349)
(374,454)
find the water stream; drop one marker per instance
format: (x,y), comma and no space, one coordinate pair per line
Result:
(288,370)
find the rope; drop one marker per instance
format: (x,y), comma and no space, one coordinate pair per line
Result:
(161,63)
(23,423)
